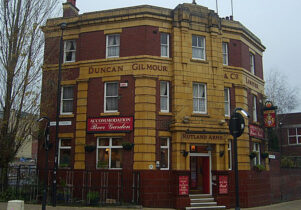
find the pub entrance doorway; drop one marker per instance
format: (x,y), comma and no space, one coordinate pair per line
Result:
(200,173)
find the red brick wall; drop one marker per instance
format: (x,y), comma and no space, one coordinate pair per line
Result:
(258,66)
(51,51)
(140,40)
(92,45)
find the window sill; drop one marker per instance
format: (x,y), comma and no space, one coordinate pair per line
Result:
(110,114)
(200,115)
(165,113)
(199,61)
(66,115)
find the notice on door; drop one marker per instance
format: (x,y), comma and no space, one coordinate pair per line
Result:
(223,184)
(183,185)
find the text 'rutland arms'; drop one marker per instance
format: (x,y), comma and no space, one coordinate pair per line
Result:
(119,68)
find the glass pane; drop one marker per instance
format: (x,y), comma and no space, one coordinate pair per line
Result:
(163,142)
(111,89)
(70,56)
(163,38)
(226,94)
(112,104)
(164,158)
(116,158)
(68,106)
(202,105)
(67,92)
(299,131)
(65,157)
(103,158)
(196,53)
(163,88)
(65,142)
(164,50)
(200,41)
(195,105)
(292,140)
(103,142)
(227,108)
(163,103)
(116,142)
(292,131)
(194,41)
(195,90)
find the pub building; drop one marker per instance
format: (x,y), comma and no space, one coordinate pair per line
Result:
(146,97)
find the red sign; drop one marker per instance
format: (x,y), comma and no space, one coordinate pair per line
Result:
(183,185)
(256,131)
(111,124)
(223,184)
(269,118)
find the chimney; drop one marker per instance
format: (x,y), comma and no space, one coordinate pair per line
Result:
(70,9)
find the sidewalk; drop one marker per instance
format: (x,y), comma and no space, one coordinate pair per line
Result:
(291,205)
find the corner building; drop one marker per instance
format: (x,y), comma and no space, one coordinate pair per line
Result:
(150,91)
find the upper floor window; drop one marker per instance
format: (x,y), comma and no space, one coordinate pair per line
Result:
(252,63)
(164,153)
(164,96)
(254,108)
(199,98)
(227,101)
(113,45)
(164,45)
(111,97)
(69,51)
(67,98)
(109,153)
(294,136)
(64,156)
(256,149)
(225,53)
(198,47)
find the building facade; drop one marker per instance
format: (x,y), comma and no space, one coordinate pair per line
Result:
(152,90)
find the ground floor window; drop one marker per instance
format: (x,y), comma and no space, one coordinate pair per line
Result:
(164,153)
(256,150)
(109,153)
(64,155)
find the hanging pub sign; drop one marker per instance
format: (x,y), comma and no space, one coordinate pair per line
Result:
(269,115)
(110,124)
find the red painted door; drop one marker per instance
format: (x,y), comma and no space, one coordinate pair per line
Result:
(200,174)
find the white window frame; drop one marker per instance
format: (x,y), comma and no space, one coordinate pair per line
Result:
(164,45)
(110,147)
(68,99)
(230,154)
(165,96)
(199,98)
(105,97)
(65,148)
(295,135)
(227,102)
(168,151)
(109,46)
(255,108)
(225,53)
(197,47)
(252,63)
(68,51)
(256,149)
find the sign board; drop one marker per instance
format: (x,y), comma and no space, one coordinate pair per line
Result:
(256,131)
(269,118)
(272,157)
(61,123)
(223,184)
(110,124)
(183,185)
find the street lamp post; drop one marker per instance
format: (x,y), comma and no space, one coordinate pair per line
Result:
(236,127)
(58,105)
(46,147)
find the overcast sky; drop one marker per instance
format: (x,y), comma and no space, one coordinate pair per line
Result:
(275,22)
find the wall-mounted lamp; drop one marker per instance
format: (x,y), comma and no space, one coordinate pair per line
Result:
(184,153)
(222,122)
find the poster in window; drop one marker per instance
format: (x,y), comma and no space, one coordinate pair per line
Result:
(183,185)
(223,184)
